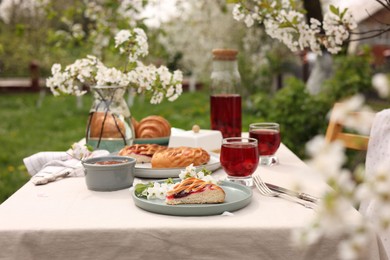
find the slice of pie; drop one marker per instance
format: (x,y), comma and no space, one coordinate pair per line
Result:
(195,191)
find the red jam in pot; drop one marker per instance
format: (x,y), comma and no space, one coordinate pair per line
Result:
(110,162)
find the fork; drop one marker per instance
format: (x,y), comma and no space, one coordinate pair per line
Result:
(264,190)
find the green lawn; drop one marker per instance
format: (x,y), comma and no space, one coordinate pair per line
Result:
(26,129)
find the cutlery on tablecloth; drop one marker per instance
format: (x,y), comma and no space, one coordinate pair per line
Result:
(264,190)
(299,195)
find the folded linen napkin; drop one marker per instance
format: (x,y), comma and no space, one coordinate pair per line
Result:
(46,167)
(378,154)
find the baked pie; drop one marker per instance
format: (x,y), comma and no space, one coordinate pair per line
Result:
(177,157)
(141,152)
(195,191)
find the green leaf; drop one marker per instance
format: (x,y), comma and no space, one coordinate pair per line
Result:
(233,1)
(169,181)
(206,172)
(285,25)
(89,147)
(295,20)
(343,13)
(334,9)
(139,189)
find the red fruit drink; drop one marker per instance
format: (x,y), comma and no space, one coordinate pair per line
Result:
(239,160)
(268,140)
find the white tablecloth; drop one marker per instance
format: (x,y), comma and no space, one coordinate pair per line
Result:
(65,220)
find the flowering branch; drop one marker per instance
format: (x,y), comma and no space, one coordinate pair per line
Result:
(91,71)
(285,21)
(331,219)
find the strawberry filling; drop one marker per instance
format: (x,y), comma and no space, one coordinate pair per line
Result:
(183,193)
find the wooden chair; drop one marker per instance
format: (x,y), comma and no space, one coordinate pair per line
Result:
(337,131)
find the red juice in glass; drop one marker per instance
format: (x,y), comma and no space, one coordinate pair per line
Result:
(239,159)
(225,114)
(268,140)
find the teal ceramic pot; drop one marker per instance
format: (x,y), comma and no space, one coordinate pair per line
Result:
(109,173)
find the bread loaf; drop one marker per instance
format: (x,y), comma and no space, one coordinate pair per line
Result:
(195,191)
(113,126)
(152,127)
(179,157)
(141,152)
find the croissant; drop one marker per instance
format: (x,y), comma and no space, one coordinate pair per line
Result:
(153,127)
(195,191)
(179,157)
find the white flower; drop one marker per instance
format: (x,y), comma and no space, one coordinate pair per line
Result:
(173,97)
(249,20)
(209,178)
(79,151)
(56,68)
(121,37)
(362,121)
(153,191)
(177,76)
(381,83)
(189,171)
(164,75)
(170,91)
(157,191)
(237,14)
(326,157)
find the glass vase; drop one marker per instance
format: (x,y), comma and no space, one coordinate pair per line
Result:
(109,123)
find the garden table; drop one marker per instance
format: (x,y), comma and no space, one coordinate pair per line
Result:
(65,220)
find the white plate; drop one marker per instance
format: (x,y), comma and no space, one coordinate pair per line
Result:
(145,170)
(237,197)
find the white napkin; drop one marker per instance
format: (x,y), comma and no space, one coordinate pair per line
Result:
(46,167)
(378,152)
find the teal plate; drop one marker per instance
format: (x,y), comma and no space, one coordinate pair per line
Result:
(160,140)
(237,197)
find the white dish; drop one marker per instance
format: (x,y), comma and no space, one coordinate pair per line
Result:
(210,140)
(237,197)
(145,170)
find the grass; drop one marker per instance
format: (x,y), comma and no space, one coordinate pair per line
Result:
(26,129)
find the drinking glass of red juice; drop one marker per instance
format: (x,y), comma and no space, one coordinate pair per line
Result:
(268,140)
(239,158)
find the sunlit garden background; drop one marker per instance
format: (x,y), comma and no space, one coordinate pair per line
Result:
(274,79)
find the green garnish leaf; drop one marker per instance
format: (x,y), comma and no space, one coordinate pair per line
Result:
(169,181)
(206,172)
(139,189)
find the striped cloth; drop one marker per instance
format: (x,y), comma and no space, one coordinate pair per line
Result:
(45,167)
